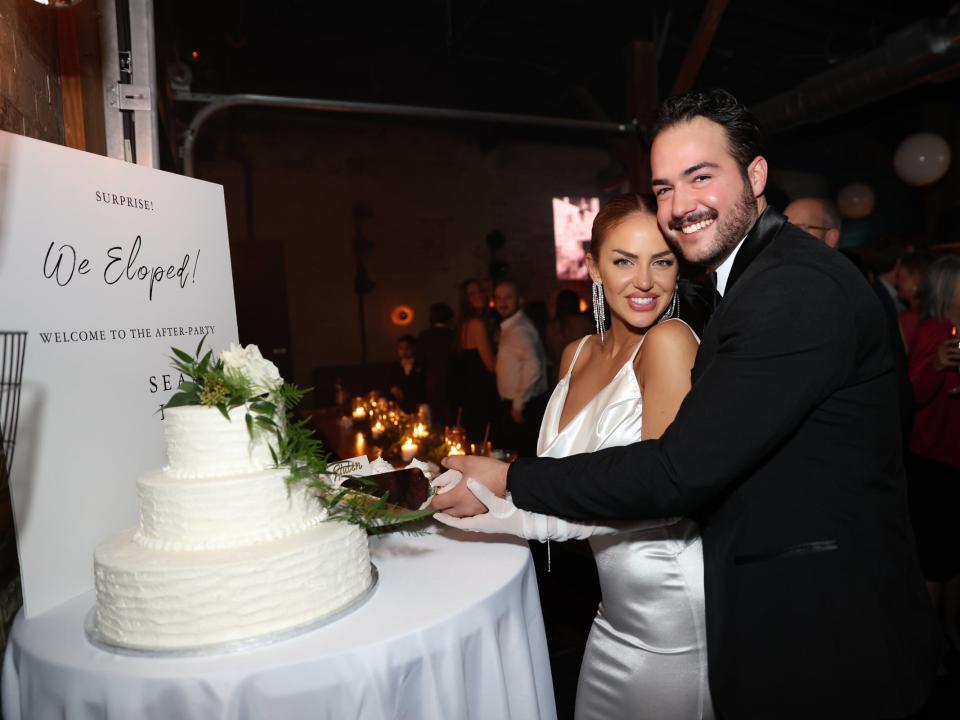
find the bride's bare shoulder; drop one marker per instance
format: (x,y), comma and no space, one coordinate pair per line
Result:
(669,344)
(671,333)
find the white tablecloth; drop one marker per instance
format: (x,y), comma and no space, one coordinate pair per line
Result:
(453,630)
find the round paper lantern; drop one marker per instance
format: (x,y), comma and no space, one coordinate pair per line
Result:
(855,201)
(922,159)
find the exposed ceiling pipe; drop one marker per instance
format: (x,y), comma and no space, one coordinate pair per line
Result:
(215,103)
(919,53)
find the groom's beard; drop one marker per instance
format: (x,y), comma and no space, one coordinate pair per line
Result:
(731,228)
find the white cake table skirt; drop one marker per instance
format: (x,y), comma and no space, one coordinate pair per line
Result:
(453,630)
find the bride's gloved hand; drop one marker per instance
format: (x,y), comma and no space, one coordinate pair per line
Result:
(503,516)
(443,482)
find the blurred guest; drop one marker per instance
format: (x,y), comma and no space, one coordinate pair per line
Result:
(568,324)
(909,277)
(521,373)
(818,217)
(406,380)
(935,441)
(473,387)
(882,257)
(436,349)
(539,315)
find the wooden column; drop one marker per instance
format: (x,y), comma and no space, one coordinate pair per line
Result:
(690,69)
(71,86)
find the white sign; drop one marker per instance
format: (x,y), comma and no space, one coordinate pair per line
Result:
(106,265)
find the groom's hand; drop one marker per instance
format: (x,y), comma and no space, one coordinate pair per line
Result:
(459,501)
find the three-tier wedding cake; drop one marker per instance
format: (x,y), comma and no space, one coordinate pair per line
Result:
(224,550)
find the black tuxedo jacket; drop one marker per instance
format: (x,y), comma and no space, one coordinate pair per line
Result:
(787,450)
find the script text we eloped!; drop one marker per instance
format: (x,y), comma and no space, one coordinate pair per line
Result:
(122,264)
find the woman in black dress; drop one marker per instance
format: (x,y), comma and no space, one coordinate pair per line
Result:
(474,390)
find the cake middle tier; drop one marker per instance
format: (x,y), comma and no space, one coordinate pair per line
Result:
(221,512)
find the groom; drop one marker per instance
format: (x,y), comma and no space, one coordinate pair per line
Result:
(786,450)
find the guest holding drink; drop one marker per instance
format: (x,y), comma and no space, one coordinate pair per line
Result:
(935,442)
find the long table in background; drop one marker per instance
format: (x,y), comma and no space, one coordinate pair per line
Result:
(453,630)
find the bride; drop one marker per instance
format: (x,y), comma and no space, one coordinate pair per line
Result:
(646,655)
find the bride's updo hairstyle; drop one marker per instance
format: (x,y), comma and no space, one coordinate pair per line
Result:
(615,212)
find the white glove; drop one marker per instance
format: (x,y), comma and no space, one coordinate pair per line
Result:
(505,517)
(446,482)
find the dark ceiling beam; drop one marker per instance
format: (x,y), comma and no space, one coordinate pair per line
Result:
(456,35)
(927,51)
(640,58)
(702,40)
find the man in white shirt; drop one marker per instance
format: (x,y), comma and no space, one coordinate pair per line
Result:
(521,373)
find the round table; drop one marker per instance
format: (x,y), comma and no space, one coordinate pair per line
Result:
(453,630)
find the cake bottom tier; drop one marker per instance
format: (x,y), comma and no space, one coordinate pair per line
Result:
(155,599)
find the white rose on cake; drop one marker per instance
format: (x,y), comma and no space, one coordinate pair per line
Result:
(247,362)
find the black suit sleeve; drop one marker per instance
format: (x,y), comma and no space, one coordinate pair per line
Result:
(785,341)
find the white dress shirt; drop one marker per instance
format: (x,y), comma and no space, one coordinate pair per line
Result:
(724,268)
(521,363)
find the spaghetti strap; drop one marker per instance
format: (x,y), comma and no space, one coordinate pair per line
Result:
(583,341)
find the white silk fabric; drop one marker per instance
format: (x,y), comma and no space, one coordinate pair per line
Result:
(646,657)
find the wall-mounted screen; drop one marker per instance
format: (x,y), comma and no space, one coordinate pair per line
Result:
(572,221)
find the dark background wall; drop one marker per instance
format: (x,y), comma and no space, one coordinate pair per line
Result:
(431,195)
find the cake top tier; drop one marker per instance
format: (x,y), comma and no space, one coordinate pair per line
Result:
(201,442)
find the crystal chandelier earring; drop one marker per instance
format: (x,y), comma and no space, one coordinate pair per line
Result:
(599,311)
(673,310)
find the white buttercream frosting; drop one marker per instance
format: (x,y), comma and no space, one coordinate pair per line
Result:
(153,599)
(202,443)
(224,550)
(221,512)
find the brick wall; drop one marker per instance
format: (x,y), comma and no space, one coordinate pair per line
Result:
(29,83)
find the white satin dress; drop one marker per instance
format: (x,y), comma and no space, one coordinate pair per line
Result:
(646,656)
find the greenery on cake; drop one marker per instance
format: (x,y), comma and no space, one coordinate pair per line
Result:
(242,377)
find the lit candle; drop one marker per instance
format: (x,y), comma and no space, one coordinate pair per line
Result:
(420,431)
(359,445)
(377,429)
(408,450)
(456,449)
(359,410)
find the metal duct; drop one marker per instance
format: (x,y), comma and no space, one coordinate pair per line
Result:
(912,56)
(217,103)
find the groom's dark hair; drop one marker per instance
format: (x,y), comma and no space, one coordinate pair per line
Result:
(744,134)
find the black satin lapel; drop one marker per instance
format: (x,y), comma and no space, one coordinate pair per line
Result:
(763,231)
